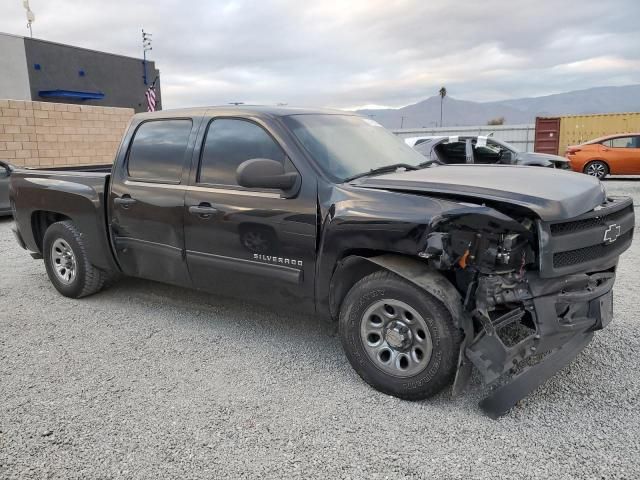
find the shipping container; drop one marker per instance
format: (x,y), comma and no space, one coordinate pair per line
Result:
(577,129)
(547,135)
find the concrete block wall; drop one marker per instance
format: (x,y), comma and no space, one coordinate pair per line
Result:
(44,134)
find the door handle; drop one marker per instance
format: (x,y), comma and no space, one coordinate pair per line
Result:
(204,210)
(124,201)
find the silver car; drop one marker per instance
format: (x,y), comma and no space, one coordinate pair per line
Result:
(478,149)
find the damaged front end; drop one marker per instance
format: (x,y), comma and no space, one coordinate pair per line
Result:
(534,292)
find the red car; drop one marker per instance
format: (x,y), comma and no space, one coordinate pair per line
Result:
(614,154)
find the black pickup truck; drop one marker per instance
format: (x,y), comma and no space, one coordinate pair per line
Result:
(428,271)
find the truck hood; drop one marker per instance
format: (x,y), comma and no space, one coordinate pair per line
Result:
(550,193)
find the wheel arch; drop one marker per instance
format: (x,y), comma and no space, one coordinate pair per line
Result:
(41,220)
(349,270)
(88,224)
(354,267)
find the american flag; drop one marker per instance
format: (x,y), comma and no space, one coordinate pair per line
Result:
(150,93)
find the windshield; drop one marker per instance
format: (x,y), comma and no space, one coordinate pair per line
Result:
(347,145)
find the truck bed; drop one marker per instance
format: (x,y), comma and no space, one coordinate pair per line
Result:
(4,182)
(47,196)
(106,167)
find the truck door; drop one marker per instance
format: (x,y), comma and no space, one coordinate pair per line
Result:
(147,200)
(248,242)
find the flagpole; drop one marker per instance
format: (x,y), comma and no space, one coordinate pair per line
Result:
(144,66)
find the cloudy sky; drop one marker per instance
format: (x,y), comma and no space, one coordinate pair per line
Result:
(354,53)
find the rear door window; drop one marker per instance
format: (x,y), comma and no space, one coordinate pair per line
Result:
(489,153)
(621,142)
(228,143)
(158,150)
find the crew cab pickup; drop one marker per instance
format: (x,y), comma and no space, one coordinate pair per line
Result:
(429,272)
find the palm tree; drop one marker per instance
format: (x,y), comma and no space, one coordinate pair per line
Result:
(443,93)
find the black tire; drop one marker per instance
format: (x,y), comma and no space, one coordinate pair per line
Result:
(87,279)
(596,169)
(444,336)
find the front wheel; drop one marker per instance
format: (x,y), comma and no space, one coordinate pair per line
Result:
(400,339)
(66,261)
(597,169)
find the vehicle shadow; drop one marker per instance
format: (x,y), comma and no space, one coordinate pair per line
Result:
(622,179)
(295,333)
(281,322)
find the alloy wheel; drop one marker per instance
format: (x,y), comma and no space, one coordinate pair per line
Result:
(63,261)
(596,170)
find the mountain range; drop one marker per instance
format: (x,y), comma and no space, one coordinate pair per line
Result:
(426,113)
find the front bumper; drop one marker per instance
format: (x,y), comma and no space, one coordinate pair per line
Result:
(561,315)
(574,164)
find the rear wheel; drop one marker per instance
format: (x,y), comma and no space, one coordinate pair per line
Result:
(66,261)
(596,169)
(399,339)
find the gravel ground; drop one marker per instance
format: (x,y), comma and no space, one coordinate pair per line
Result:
(151,381)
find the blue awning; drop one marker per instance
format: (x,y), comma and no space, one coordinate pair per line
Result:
(71,94)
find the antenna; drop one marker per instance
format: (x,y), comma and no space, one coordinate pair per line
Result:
(146,40)
(30,16)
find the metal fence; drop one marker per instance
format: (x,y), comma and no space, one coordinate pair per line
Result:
(520,136)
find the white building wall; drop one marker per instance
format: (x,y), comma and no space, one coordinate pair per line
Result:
(14,79)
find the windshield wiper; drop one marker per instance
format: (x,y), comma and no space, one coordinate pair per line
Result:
(385,169)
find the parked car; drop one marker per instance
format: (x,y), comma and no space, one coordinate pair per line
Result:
(428,271)
(613,154)
(5,172)
(478,149)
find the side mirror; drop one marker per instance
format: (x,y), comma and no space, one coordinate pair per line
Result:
(5,170)
(265,173)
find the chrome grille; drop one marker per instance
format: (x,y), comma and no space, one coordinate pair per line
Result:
(580,244)
(569,227)
(582,255)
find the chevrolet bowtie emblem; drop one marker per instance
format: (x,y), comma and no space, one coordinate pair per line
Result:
(612,233)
